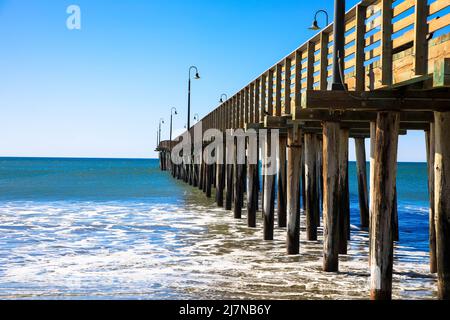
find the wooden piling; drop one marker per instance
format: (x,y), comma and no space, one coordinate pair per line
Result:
(385,170)
(311,196)
(361,171)
(220,177)
(294,149)
(442,201)
(269,194)
(430,148)
(303,189)
(252,189)
(281,194)
(320,175)
(209,180)
(344,193)
(237,186)
(331,134)
(229,187)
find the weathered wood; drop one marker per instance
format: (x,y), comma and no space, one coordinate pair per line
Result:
(269,194)
(303,189)
(430,143)
(361,171)
(320,173)
(281,194)
(344,193)
(331,134)
(252,190)
(395,230)
(386,42)
(396,100)
(220,176)
(209,178)
(294,149)
(385,172)
(373,139)
(312,199)
(420,35)
(229,187)
(442,201)
(237,187)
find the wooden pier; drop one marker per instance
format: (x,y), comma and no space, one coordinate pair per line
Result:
(397,72)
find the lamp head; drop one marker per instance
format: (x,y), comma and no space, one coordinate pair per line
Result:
(176,112)
(197,76)
(314,26)
(221,100)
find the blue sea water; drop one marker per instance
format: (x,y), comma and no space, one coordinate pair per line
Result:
(103,228)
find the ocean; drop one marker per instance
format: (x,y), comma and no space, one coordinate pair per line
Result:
(122,229)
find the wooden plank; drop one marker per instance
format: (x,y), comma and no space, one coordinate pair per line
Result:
(257,101)
(420,35)
(287,86)
(278,90)
(359,47)
(298,80)
(294,147)
(386,42)
(270,93)
(263,98)
(324,40)
(310,66)
(414,100)
(381,253)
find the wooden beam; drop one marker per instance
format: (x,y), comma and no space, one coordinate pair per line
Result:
(420,38)
(281,194)
(344,192)
(278,90)
(269,193)
(413,100)
(324,60)
(287,86)
(360,150)
(430,150)
(441,75)
(359,47)
(386,42)
(442,201)
(311,196)
(385,171)
(330,196)
(294,147)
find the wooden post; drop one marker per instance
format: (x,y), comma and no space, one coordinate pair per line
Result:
(361,172)
(294,148)
(303,190)
(269,194)
(373,139)
(238,183)
(344,193)
(432,226)
(442,201)
(229,187)
(281,194)
(320,171)
(220,179)
(312,199)
(202,175)
(395,231)
(252,188)
(209,178)
(331,134)
(385,171)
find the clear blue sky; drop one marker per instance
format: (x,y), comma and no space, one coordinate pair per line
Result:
(100,91)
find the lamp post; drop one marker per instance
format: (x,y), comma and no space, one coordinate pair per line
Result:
(315,24)
(196,77)
(221,98)
(338,47)
(173,112)
(161,121)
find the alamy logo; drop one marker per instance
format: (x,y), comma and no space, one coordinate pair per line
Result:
(73,22)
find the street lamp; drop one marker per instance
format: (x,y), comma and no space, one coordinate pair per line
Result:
(161,121)
(221,98)
(196,77)
(315,24)
(173,112)
(196,117)
(338,47)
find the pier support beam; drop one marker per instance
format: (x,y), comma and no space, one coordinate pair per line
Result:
(430,143)
(252,188)
(238,182)
(320,174)
(312,198)
(294,148)
(269,193)
(442,201)
(303,189)
(209,179)
(344,193)
(331,134)
(361,171)
(385,171)
(281,194)
(220,176)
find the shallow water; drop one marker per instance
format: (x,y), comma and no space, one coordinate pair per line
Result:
(121,229)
